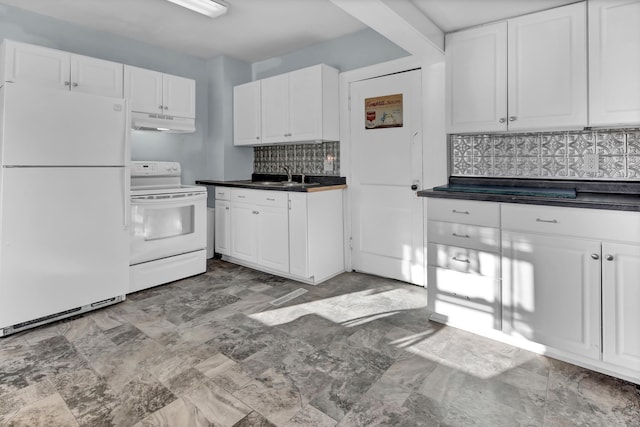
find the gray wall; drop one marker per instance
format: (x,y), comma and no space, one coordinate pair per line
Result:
(360,49)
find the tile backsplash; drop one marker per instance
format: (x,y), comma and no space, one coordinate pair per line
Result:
(301,158)
(548,155)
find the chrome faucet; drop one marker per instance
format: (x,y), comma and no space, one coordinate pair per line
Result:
(288,171)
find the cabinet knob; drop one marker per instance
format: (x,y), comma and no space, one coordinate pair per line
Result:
(67,83)
(160,107)
(166,108)
(502,120)
(609,257)
(75,85)
(595,256)
(257,137)
(513,118)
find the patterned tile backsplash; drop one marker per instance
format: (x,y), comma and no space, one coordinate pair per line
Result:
(301,158)
(548,155)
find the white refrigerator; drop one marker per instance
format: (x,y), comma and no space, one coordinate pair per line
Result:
(64,204)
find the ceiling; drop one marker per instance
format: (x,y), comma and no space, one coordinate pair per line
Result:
(254,30)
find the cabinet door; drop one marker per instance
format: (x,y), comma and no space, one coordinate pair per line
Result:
(143,89)
(179,96)
(305,104)
(246,114)
(547,69)
(275,109)
(476,82)
(551,291)
(298,235)
(273,238)
(35,65)
(96,76)
(223,227)
(243,232)
(614,62)
(620,301)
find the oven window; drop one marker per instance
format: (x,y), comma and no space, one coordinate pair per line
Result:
(162,223)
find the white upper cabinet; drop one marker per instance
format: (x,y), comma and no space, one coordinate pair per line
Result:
(154,92)
(301,106)
(526,73)
(614,62)
(246,114)
(477,79)
(53,68)
(547,69)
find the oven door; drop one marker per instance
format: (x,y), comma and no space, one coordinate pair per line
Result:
(164,225)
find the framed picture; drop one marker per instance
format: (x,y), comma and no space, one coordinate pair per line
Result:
(383,111)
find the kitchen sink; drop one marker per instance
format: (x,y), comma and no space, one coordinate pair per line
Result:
(284,184)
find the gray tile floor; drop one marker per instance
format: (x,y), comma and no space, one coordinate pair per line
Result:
(355,351)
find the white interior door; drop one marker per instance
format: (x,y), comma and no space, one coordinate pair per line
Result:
(386,221)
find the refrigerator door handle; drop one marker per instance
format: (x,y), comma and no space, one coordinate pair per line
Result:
(127,135)
(126,195)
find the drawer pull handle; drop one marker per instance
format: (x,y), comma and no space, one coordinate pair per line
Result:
(460,212)
(241,197)
(270,199)
(550,221)
(461,260)
(464,236)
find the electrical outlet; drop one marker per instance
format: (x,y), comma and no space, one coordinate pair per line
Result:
(590,163)
(328,165)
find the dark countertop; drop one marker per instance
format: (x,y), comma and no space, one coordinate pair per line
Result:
(312,183)
(611,195)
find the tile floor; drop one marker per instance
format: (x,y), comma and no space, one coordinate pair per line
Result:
(355,351)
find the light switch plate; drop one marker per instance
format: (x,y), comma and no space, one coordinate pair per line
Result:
(590,163)
(328,165)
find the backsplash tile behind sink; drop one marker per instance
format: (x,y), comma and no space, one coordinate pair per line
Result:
(547,155)
(301,158)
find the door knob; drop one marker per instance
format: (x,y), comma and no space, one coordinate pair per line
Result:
(414,187)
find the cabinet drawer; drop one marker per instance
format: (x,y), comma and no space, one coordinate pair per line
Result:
(465,299)
(464,211)
(463,235)
(277,199)
(223,193)
(587,223)
(464,260)
(242,195)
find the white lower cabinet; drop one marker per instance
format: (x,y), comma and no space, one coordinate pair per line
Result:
(463,263)
(223,227)
(259,228)
(293,234)
(620,301)
(551,291)
(559,280)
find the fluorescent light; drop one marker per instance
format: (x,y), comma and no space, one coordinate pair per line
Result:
(211,8)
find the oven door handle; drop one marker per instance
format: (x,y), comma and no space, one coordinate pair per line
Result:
(173,199)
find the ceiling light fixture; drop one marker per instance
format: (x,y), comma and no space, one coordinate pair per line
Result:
(211,8)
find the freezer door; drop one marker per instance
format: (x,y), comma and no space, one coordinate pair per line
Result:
(61,128)
(63,239)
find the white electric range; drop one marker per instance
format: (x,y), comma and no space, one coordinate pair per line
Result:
(168,226)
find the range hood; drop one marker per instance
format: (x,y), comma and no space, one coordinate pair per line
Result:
(162,123)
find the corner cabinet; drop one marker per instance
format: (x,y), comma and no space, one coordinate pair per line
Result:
(153,92)
(51,68)
(297,235)
(526,73)
(614,62)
